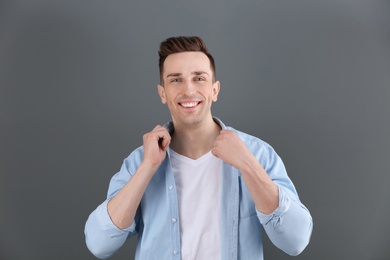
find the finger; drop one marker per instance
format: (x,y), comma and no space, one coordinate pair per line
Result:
(224,131)
(166,140)
(159,131)
(163,136)
(214,152)
(157,127)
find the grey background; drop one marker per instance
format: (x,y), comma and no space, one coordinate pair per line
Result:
(78,90)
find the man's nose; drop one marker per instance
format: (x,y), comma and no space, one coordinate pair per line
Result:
(189,88)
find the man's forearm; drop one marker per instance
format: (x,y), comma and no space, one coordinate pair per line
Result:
(123,206)
(263,190)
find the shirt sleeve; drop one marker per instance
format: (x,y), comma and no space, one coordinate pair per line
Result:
(290,226)
(102,237)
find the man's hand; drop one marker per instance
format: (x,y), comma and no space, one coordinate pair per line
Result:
(231,149)
(156,144)
(123,206)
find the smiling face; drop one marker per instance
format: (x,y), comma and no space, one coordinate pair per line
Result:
(188,88)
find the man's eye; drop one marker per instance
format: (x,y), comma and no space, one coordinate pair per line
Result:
(175,80)
(199,79)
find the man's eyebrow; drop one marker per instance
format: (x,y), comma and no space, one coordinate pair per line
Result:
(199,73)
(174,75)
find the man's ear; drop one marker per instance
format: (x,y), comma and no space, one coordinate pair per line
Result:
(216,89)
(161,93)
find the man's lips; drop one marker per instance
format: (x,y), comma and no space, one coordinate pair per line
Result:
(189,104)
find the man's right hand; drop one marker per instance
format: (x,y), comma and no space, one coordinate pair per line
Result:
(123,206)
(156,144)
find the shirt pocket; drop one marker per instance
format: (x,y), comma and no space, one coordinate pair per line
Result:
(246,204)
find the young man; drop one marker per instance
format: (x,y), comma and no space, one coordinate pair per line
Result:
(198,189)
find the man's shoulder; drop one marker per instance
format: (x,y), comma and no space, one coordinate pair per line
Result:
(136,155)
(248,138)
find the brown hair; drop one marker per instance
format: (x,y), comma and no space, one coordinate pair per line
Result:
(182,44)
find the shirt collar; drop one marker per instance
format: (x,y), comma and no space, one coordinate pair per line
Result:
(169,126)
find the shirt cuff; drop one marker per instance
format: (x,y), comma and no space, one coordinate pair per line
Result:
(284,205)
(106,223)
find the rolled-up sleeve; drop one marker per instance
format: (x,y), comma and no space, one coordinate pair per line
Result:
(102,237)
(290,226)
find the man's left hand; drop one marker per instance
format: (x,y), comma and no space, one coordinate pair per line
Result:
(231,149)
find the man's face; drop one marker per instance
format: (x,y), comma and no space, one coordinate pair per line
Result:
(188,88)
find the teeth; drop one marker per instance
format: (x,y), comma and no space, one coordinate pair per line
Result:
(189,104)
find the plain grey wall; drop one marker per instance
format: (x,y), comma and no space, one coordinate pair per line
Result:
(78,90)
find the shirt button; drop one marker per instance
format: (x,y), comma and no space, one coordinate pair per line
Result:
(175,252)
(173,220)
(171,187)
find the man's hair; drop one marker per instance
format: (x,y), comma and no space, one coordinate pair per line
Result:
(182,44)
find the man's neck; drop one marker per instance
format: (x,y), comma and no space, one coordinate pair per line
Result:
(195,141)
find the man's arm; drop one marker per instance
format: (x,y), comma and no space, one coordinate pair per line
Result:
(272,201)
(123,206)
(232,150)
(102,238)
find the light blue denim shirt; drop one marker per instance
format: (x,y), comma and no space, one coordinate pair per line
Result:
(157,220)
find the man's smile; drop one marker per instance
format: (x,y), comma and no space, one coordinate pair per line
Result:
(189,104)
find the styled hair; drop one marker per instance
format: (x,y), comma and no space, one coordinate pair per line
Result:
(182,44)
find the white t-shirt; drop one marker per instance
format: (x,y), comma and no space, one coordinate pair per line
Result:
(198,184)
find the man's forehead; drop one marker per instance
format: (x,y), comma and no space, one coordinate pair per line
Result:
(186,62)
